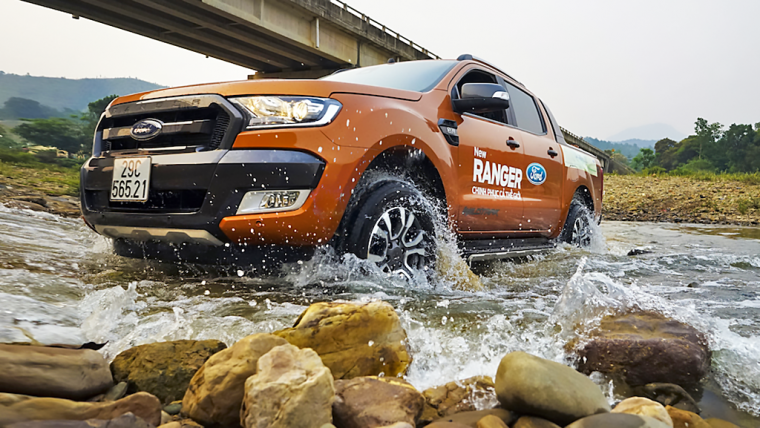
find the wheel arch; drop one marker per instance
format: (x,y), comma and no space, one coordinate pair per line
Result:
(401,162)
(583,194)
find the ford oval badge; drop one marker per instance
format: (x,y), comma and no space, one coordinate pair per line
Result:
(536,173)
(146,129)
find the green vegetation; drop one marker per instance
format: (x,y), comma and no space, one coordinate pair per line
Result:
(72,134)
(41,171)
(66,95)
(46,170)
(712,153)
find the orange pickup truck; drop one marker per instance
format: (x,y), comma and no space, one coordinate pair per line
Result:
(367,160)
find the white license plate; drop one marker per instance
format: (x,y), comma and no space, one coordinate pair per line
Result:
(131,179)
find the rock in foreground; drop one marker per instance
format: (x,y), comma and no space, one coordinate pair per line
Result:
(20,408)
(353,339)
(369,402)
(215,393)
(645,348)
(163,369)
(76,374)
(464,395)
(127,420)
(291,389)
(685,419)
(617,420)
(534,386)
(644,407)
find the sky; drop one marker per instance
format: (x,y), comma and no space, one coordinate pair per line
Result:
(602,66)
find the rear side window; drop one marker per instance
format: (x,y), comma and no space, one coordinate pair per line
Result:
(526,111)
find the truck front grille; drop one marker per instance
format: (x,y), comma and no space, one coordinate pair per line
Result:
(186,124)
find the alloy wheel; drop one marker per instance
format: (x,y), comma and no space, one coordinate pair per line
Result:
(399,243)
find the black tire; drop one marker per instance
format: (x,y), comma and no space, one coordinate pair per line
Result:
(577,230)
(392,226)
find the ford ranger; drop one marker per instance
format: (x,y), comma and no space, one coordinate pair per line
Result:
(365,160)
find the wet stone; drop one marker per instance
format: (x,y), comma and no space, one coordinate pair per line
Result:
(669,394)
(535,386)
(353,339)
(534,422)
(77,374)
(163,369)
(369,402)
(475,393)
(617,420)
(645,348)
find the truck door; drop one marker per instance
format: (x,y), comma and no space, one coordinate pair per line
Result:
(489,179)
(541,163)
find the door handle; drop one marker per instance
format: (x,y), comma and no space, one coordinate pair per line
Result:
(551,152)
(513,143)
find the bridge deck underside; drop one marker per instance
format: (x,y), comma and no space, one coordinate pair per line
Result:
(199,27)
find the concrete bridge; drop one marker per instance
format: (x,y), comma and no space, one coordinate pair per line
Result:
(277,38)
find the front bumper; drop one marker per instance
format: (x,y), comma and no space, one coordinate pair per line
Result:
(192,193)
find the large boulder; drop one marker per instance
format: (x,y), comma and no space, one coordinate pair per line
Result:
(369,402)
(21,408)
(475,393)
(76,374)
(127,420)
(617,420)
(291,389)
(215,393)
(163,369)
(353,339)
(534,386)
(644,407)
(647,347)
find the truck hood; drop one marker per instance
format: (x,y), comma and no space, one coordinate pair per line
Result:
(313,88)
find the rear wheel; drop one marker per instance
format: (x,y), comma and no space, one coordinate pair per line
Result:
(577,230)
(392,227)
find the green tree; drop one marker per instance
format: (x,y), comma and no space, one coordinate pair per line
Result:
(665,153)
(64,134)
(644,159)
(94,110)
(707,135)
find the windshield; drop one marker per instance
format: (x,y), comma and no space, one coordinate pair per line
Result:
(418,76)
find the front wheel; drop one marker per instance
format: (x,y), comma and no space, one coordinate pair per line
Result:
(577,230)
(392,226)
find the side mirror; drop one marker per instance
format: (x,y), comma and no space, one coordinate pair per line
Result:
(481,98)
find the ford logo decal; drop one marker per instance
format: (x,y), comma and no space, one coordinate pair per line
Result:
(536,173)
(146,129)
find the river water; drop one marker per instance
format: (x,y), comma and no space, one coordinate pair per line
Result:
(60,283)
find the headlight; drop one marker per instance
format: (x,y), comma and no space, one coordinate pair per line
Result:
(271,111)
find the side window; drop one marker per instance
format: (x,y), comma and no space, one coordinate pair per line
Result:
(526,111)
(477,76)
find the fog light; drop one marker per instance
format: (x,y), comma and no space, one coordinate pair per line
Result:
(262,201)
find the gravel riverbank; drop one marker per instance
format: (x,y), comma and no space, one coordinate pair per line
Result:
(680,200)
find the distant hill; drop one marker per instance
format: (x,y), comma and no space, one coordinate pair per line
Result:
(67,94)
(653,131)
(629,148)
